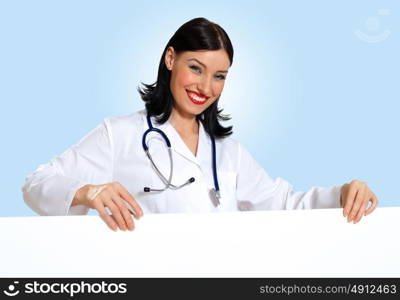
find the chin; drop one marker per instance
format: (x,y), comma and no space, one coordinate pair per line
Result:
(195,112)
(198,109)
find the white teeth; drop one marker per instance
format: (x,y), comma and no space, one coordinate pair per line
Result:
(195,97)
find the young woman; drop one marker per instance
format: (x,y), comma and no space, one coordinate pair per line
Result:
(175,156)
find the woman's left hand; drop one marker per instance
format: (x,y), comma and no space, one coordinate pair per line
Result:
(355,197)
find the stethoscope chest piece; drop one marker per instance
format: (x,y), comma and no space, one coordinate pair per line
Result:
(215,196)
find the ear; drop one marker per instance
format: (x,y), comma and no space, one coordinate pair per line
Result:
(169,58)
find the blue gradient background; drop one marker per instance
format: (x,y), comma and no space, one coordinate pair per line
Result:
(311,101)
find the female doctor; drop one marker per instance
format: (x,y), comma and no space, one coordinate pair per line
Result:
(175,156)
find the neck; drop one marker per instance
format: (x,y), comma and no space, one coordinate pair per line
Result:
(184,123)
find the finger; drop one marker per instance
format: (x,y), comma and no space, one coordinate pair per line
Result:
(357,203)
(342,204)
(349,199)
(129,198)
(374,203)
(116,213)
(105,216)
(363,207)
(124,211)
(342,189)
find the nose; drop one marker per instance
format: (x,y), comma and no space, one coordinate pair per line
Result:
(205,86)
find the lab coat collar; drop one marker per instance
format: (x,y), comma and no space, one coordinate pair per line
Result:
(179,146)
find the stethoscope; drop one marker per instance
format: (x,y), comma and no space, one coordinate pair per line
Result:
(214,192)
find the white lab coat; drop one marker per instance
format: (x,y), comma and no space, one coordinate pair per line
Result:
(113,152)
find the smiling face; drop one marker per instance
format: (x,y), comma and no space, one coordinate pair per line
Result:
(197,79)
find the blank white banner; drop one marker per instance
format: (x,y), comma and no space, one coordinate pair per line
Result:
(296,243)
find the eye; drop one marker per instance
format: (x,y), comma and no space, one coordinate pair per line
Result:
(198,69)
(193,67)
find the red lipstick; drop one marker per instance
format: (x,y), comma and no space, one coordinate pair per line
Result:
(197,100)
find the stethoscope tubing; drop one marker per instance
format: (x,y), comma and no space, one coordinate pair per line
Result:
(168,183)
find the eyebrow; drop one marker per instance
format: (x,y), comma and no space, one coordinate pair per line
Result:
(221,71)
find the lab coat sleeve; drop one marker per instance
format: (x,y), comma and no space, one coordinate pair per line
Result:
(256,190)
(51,188)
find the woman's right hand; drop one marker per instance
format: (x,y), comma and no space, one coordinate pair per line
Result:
(113,196)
